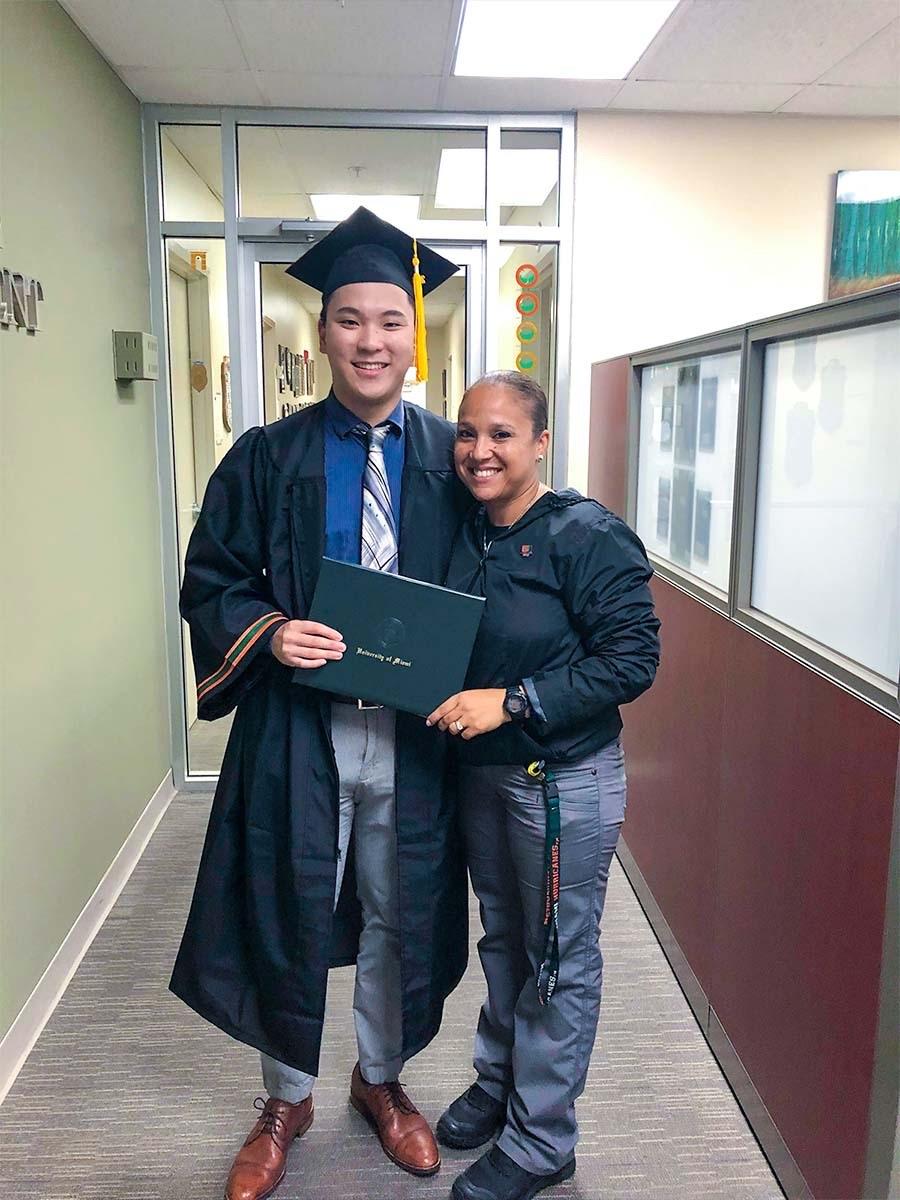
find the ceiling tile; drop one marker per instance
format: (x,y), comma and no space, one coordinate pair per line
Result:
(166,33)
(527,95)
(652,95)
(194,86)
(876,63)
(831,100)
(397,37)
(761,41)
(303,90)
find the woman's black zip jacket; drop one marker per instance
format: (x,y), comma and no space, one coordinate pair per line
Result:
(569,612)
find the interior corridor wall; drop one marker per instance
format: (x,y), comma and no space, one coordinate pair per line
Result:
(688,224)
(85,739)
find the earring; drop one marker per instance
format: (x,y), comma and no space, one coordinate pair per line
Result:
(540,458)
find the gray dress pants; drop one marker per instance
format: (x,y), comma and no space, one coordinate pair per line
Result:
(364,749)
(536,1057)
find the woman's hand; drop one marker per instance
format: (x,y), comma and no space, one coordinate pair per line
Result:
(467,714)
(307,644)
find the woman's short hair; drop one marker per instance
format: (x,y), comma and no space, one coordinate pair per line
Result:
(530,393)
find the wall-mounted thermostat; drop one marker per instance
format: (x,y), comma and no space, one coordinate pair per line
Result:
(135,355)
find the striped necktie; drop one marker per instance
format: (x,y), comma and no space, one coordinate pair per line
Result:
(379,531)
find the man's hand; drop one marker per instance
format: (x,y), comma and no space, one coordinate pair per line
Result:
(467,714)
(306,644)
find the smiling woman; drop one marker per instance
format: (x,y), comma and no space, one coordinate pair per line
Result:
(567,636)
(501,440)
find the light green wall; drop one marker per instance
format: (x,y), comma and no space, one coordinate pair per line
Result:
(84,699)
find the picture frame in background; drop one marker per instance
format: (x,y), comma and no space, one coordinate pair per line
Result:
(865,232)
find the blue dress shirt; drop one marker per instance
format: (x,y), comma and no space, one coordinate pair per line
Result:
(345,464)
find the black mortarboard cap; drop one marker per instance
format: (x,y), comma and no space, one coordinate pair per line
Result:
(365,249)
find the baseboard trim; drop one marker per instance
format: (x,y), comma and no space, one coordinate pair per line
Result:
(25,1030)
(766,1132)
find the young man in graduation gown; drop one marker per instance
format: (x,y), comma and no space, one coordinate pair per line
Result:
(331,838)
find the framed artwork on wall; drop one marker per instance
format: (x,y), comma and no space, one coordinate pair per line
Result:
(865,235)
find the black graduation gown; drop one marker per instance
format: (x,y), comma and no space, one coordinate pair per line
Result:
(261,934)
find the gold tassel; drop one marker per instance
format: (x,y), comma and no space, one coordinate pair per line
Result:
(418,282)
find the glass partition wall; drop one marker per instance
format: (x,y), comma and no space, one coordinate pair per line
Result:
(234,195)
(765,480)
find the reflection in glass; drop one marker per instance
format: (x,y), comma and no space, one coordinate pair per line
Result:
(703,510)
(708,395)
(445,319)
(686,415)
(199,382)
(527,321)
(528,186)
(827,534)
(191,172)
(323,174)
(663,502)
(688,434)
(667,422)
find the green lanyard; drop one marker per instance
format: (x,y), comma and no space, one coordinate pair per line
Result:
(548,972)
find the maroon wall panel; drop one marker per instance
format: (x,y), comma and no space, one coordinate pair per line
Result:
(608,455)
(673,802)
(760,802)
(805,818)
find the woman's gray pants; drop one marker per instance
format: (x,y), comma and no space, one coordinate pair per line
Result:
(536,1057)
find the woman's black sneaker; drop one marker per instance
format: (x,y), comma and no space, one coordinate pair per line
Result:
(495,1176)
(471,1120)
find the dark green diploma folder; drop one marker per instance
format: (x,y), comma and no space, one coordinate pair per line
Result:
(408,643)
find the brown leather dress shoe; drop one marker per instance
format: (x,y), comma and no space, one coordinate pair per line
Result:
(262,1160)
(402,1130)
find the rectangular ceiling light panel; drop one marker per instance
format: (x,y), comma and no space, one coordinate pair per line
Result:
(398,210)
(557,39)
(526,178)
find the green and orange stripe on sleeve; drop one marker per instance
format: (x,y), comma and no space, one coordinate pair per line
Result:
(239,652)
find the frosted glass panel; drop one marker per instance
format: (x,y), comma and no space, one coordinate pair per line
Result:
(686,464)
(827,540)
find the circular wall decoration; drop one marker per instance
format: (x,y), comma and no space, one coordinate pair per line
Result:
(527,331)
(527,275)
(526,361)
(199,375)
(527,303)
